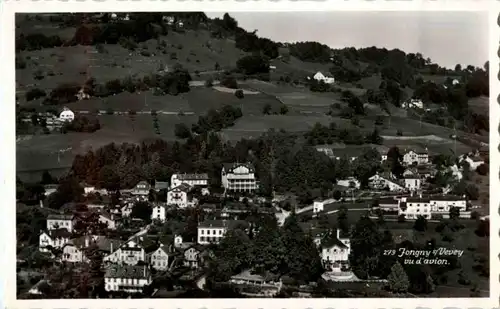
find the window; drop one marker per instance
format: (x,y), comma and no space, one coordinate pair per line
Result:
(202,232)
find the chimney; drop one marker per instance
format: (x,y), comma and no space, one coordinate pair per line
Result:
(41,203)
(338,233)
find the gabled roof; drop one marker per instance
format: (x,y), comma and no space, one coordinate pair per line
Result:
(184,187)
(229,167)
(203,176)
(128,272)
(58,233)
(60,217)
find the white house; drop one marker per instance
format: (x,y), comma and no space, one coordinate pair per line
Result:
(82,95)
(179,196)
(73,253)
(335,252)
(319,205)
(87,188)
(211,231)
(53,239)
(413,207)
(320,77)
(61,221)
(413,182)
(131,279)
(49,189)
(443,203)
(239,177)
(474,161)
(378,182)
(130,253)
(421,157)
(159,212)
(413,103)
(191,179)
(66,115)
(108,219)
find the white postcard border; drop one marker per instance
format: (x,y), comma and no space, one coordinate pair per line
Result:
(7,163)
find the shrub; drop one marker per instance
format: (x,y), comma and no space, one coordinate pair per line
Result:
(145,53)
(482,169)
(110,111)
(38,75)
(239,94)
(284,109)
(132,112)
(182,131)
(229,82)
(154,113)
(209,83)
(173,56)
(399,132)
(34,94)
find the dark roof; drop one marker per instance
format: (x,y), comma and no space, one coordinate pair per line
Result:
(333,241)
(60,217)
(128,272)
(447,198)
(203,176)
(102,242)
(223,224)
(59,233)
(417,200)
(143,182)
(388,201)
(160,185)
(182,187)
(229,167)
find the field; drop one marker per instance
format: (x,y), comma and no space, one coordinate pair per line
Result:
(198,52)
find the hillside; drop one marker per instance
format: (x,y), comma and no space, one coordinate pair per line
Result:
(146,75)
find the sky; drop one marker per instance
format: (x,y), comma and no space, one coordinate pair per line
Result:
(447,38)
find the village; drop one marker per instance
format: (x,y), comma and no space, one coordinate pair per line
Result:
(132,263)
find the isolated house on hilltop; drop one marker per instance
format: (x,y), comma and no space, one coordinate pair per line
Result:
(322,78)
(66,115)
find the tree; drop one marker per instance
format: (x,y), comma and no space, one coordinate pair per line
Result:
(47,178)
(266,110)
(182,131)
(253,64)
(454,213)
(342,220)
(482,169)
(229,82)
(239,94)
(398,279)
(283,109)
(142,210)
(420,224)
(366,248)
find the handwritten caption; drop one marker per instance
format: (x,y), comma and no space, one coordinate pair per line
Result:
(436,256)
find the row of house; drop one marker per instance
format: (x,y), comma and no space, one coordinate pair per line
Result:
(414,206)
(410,157)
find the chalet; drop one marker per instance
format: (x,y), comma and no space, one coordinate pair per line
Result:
(129,253)
(53,239)
(239,177)
(180,196)
(413,182)
(416,157)
(378,182)
(335,252)
(193,256)
(162,257)
(131,279)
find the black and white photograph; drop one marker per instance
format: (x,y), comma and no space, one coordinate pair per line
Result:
(170,154)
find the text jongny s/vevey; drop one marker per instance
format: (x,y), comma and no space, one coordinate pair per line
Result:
(427,253)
